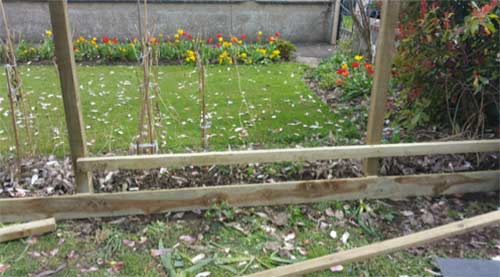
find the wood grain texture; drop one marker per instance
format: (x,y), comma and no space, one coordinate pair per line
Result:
(69,87)
(149,202)
(335,21)
(383,247)
(18,231)
(383,66)
(281,155)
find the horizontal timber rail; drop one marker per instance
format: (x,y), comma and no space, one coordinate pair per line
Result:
(283,155)
(148,202)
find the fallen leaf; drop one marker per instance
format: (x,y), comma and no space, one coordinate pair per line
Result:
(34,254)
(158,252)
(289,237)
(280,219)
(344,237)
(407,213)
(329,212)
(90,269)
(302,250)
(54,252)
(115,266)
(73,255)
(187,239)
(336,268)
(333,234)
(4,267)
(272,245)
(129,243)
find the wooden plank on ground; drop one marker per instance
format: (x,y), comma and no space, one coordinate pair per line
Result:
(149,202)
(383,66)
(69,87)
(18,231)
(383,247)
(282,155)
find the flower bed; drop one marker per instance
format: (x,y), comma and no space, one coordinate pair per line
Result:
(179,48)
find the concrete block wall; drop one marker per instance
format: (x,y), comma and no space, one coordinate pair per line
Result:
(301,21)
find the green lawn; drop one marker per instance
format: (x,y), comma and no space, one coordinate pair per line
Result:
(233,238)
(285,110)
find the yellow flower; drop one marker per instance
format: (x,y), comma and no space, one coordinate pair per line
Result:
(160,35)
(94,39)
(176,41)
(180,31)
(263,51)
(345,66)
(226,44)
(243,55)
(275,53)
(48,33)
(259,33)
(221,39)
(190,57)
(358,58)
(176,36)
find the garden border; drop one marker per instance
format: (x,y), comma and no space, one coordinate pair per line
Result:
(147,202)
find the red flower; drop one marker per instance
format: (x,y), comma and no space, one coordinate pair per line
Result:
(184,34)
(371,71)
(210,40)
(271,38)
(368,66)
(339,82)
(219,35)
(257,38)
(105,39)
(217,45)
(243,37)
(189,36)
(355,64)
(277,34)
(114,41)
(340,71)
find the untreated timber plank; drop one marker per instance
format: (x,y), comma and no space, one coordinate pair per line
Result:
(17,231)
(281,155)
(383,66)
(70,90)
(383,247)
(149,202)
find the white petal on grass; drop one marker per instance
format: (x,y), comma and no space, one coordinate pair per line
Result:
(336,268)
(333,234)
(203,274)
(344,237)
(197,258)
(289,237)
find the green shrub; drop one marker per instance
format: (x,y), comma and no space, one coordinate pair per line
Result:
(447,63)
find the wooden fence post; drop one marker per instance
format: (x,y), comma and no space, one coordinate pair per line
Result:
(383,64)
(335,23)
(69,88)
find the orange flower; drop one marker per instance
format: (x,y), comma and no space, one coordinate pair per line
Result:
(345,73)
(339,82)
(368,66)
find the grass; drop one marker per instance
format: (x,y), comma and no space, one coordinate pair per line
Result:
(104,245)
(285,110)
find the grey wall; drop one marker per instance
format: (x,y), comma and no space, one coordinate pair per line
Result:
(297,20)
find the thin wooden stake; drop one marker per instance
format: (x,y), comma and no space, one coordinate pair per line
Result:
(69,88)
(16,83)
(383,64)
(384,247)
(12,104)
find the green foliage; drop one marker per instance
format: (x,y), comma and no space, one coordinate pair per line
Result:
(221,211)
(180,49)
(447,64)
(349,73)
(286,49)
